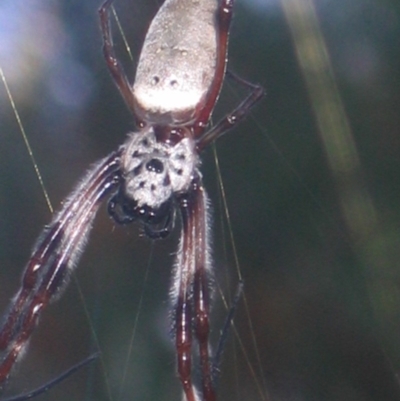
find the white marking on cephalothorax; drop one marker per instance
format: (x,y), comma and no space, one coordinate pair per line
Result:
(153,170)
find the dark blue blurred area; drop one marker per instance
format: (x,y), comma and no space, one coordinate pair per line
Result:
(321,315)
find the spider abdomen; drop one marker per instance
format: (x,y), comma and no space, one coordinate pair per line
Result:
(177,62)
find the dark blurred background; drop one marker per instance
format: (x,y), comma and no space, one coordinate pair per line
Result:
(312,185)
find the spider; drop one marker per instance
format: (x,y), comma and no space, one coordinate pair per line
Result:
(152,177)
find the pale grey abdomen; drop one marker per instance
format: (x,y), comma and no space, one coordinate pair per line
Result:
(177,63)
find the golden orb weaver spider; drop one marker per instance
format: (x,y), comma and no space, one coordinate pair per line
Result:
(151,176)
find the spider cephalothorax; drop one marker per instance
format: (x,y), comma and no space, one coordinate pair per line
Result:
(156,165)
(155,168)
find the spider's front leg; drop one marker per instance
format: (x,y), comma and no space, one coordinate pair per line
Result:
(55,255)
(190,291)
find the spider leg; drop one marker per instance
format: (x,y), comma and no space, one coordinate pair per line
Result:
(114,66)
(224,334)
(236,116)
(181,293)
(190,291)
(224,18)
(49,385)
(201,295)
(55,255)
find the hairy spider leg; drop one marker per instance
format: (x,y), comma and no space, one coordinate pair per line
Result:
(55,255)
(190,292)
